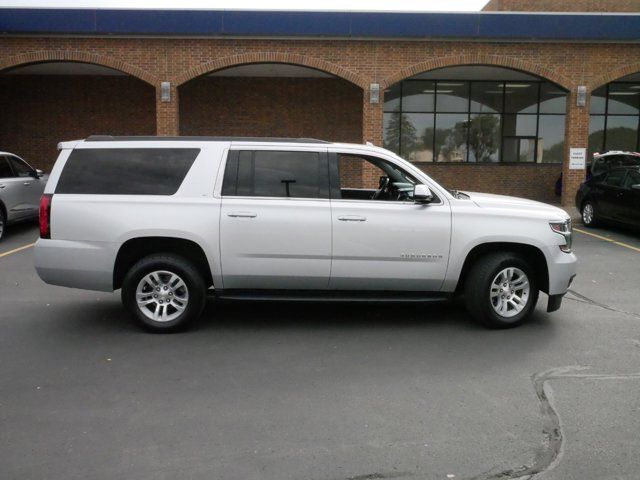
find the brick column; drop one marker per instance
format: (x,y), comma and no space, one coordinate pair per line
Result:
(372,131)
(372,128)
(167,113)
(576,136)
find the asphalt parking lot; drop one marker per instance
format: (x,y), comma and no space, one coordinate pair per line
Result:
(327,392)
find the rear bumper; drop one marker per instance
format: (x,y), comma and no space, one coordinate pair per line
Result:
(86,265)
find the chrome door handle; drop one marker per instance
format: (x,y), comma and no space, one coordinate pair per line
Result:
(26,183)
(2,186)
(352,218)
(242,214)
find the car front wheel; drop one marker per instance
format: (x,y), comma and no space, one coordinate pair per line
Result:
(164,292)
(501,290)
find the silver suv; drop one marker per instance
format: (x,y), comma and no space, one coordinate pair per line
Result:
(169,220)
(21,187)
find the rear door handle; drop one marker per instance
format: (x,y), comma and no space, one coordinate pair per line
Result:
(242,214)
(352,218)
(2,186)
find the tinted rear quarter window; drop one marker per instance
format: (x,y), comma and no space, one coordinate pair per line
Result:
(126,171)
(276,174)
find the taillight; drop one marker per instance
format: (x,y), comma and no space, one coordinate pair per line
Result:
(45,215)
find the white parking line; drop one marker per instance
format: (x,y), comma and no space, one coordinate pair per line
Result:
(16,250)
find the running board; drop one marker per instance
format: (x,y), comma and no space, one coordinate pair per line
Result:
(331,296)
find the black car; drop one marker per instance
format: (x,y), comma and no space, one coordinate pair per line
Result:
(611,196)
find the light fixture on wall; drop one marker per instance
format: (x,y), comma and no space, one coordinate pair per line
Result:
(581,97)
(374,93)
(165,92)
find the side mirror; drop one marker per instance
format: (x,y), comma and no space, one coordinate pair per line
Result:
(422,194)
(38,173)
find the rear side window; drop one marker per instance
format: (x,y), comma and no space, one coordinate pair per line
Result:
(614,179)
(5,169)
(276,174)
(20,168)
(126,171)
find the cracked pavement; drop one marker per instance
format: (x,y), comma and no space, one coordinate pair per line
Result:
(322,392)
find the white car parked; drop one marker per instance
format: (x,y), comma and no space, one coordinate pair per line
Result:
(21,187)
(166,219)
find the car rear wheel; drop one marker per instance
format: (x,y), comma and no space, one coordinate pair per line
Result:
(3,223)
(589,214)
(501,290)
(164,292)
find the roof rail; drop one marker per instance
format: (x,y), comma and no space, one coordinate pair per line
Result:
(111,138)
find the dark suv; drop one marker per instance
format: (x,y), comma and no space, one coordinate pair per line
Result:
(611,195)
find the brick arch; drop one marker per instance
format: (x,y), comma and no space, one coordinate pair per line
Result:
(490,60)
(613,75)
(79,57)
(270,57)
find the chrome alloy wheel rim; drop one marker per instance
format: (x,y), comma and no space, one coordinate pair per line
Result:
(587,213)
(1,227)
(510,292)
(162,296)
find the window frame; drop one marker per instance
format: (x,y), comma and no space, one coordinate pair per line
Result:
(233,157)
(602,148)
(470,112)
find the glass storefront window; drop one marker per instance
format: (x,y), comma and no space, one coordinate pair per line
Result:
(552,99)
(417,140)
(623,99)
(622,133)
(486,97)
(451,137)
(475,121)
(520,125)
(452,97)
(599,100)
(615,115)
(551,139)
(596,134)
(520,97)
(418,96)
(392,98)
(519,149)
(484,138)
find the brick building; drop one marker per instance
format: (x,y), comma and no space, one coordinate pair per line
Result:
(481,101)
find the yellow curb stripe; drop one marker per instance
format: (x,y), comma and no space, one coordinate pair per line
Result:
(16,250)
(625,245)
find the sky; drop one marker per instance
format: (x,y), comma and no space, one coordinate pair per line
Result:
(340,5)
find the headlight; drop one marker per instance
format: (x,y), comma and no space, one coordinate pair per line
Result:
(564,229)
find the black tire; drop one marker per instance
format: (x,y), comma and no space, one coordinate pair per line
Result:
(592,220)
(477,290)
(195,288)
(3,223)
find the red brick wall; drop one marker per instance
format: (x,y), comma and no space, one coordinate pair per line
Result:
(535,181)
(323,108)
(361,62)
(564,5)
(37,112)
